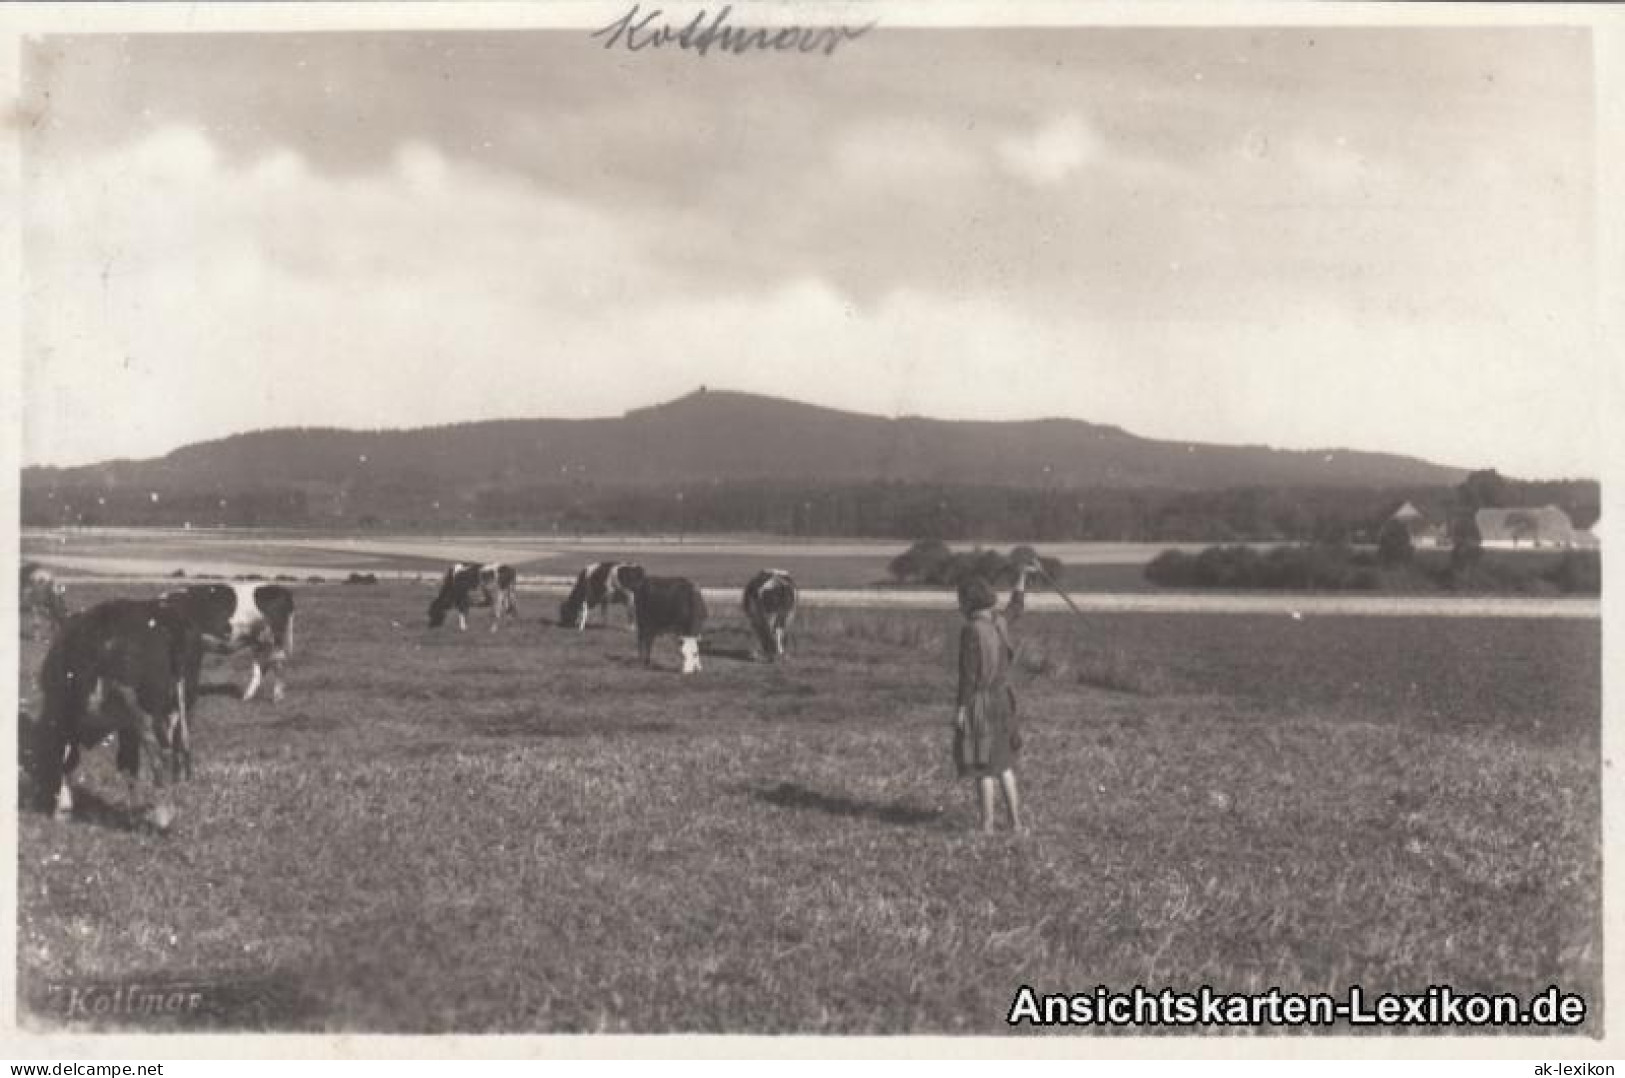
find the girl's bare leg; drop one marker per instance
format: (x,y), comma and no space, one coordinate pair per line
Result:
(1012,799)
(984,787)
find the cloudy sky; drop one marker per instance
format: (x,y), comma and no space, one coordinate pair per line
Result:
(1381,239)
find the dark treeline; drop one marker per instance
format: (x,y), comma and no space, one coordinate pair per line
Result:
(95,506)
(889,510)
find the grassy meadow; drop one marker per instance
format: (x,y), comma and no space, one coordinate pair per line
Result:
(528,832)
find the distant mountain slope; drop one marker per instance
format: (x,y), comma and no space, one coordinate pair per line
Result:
(725,436)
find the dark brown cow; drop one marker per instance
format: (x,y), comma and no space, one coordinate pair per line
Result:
(669,606)
(123,667)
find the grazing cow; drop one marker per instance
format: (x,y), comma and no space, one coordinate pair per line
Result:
(231,617)
(599,585)
(770,605)
(123,667)
(494,583)
(669,605)
(41,597)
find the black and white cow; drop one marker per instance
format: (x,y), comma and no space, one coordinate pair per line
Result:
(669,606)
(124,667)
(42,598)
(770,606)
(597,586)
(493,583)
(231,617)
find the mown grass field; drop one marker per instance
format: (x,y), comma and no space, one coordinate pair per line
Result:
(527,832)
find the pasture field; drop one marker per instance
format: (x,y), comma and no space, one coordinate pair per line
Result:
(527,832)
(709,562)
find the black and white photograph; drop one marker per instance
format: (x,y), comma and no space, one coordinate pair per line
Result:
(1027,528)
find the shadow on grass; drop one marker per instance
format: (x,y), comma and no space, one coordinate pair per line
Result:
(744,655)
(92,810)
(708,650)
(656,666)
(795,796)
(568,727)
(594,624)
(301,723)
(87,807)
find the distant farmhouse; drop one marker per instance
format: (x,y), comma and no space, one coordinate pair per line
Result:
(1548,527)
(1424,530)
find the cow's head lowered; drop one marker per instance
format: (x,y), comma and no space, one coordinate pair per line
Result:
(628,578)
(437,613)
(598,585)
(457,578)
(42,596)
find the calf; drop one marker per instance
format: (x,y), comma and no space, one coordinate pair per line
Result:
(494,583)
(669,605)
(122,667)
(770,606)
(599,585)
(231,617)
(41,597)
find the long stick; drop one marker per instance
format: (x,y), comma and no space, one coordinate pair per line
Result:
(1051,582)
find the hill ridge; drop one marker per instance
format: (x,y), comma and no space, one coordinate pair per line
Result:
(725,435)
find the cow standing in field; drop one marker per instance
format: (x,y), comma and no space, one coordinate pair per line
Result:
(42,598)
(669,606)
(123,667)
(231,617)
(770,606)
(597,586)
(493,583)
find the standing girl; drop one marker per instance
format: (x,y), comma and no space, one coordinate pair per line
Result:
(986,737)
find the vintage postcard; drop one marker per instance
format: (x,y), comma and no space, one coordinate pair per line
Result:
(1033,529)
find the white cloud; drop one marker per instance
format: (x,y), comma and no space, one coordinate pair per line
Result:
(173,296)
(902,154)
(174,154)
(1057,149)
(422,167)
(1335,166)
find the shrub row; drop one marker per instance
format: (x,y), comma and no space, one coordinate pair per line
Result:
(1576,572)
(931,561)
(1340,568)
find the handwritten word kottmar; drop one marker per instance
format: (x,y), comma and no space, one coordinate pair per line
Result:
(636,31)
